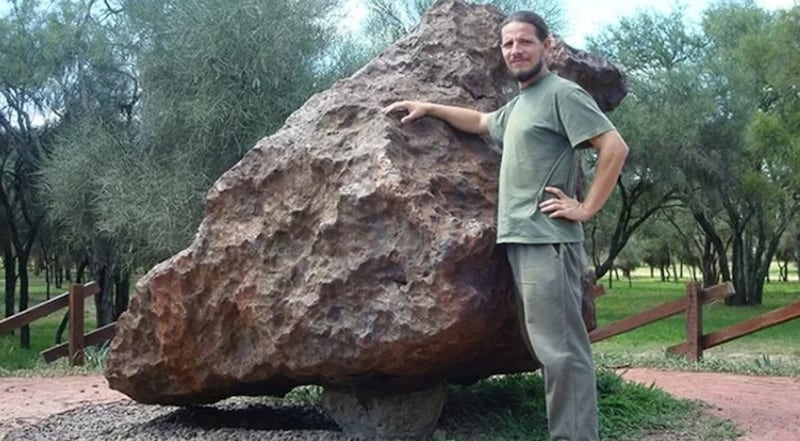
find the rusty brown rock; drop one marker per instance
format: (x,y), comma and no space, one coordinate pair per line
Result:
(604,81)
(345,249)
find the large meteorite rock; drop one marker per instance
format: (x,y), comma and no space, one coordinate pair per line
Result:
(344,250)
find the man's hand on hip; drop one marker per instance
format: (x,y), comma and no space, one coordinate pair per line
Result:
(563,206)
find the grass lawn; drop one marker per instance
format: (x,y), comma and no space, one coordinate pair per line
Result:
(779,345)
(42,331)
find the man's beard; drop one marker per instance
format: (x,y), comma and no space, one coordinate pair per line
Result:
(526,75)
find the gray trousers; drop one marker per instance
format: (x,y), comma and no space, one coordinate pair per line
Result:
(548,282)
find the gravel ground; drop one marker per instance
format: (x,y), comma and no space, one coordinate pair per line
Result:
(230,420)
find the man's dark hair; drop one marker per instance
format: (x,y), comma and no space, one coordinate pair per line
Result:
(529,17)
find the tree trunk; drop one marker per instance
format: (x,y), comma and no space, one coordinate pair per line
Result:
(713,253)
(740,267)
(103,269)
(784,271)
(47,279)
(22,268)
(628,222)
(121,297)
(81,270)
(753,251)
(797,255)
(767,249)
(710,265)
(104,299)
(756,296)
(62,327)
(9,263)
(58,272)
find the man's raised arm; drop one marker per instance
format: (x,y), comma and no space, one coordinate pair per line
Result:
(466,120)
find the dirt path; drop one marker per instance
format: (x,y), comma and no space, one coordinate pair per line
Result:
(768,408)
(27,400)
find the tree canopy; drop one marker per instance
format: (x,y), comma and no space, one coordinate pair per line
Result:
(712,124)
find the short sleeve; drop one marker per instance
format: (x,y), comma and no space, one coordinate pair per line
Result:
(496,122)
(581,118)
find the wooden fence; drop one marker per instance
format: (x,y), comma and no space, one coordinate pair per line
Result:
(692,305)
(95,338)
(74,300)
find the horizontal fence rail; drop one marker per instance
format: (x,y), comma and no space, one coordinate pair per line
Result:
(741,329)
(44,309)
(660,312)
(94,338)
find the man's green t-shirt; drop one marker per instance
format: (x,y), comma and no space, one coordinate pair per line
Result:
(538,131)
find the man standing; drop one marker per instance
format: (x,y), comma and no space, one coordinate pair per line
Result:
(539,219)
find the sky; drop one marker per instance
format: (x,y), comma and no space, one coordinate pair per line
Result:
(586,17)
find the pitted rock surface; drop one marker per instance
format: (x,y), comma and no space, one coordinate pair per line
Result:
(346,249)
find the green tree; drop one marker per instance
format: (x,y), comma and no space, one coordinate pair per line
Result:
(658,119)
(744,173)
(785,254)
(95,82)
(34,53)
(205,81)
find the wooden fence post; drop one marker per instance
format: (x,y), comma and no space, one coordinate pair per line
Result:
(76,325)
(694,321)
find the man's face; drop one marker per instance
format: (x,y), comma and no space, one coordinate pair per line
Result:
(522,50)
